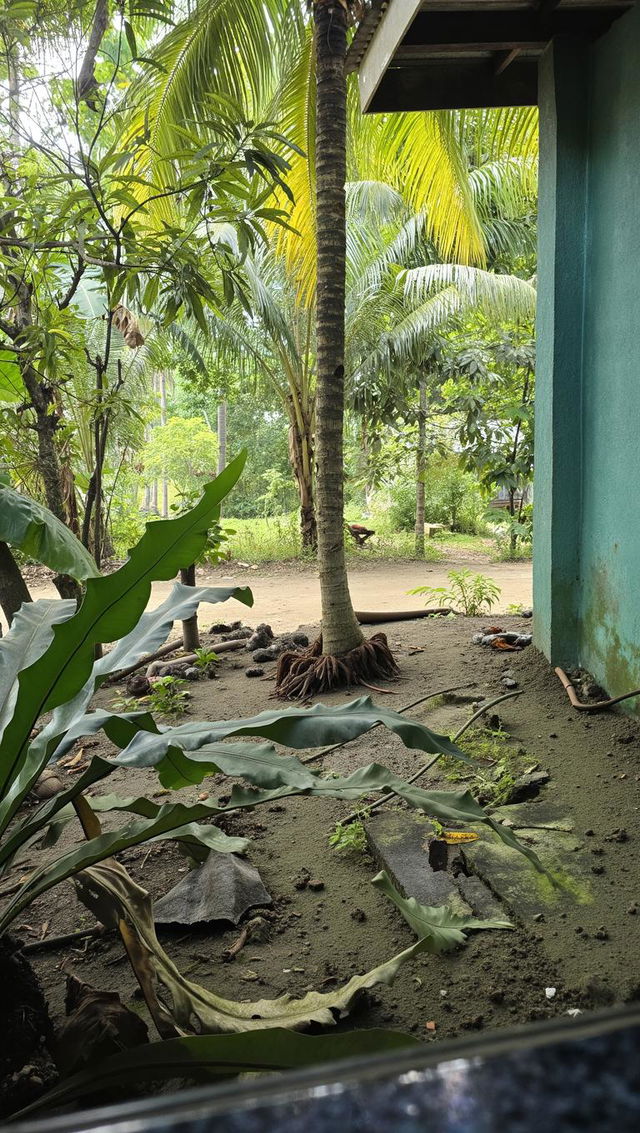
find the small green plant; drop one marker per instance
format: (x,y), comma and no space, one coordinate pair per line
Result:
(515,608)
(128,703)
(205,659)
(168,697)
(470,594)
(350,837)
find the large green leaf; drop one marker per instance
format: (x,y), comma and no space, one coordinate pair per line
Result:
(294,727)
(438,926)
(38,533)
(201,1058)
(29,636)
(112,606)
(154,627)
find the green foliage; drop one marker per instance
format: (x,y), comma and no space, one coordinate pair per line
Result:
(512,534)
(204,1058)
(274,539)
(439,928)
(351,837)
(468,593)
(168,696)
(452,497)
(205,659)
(185,450)
(497,765)
(34,531)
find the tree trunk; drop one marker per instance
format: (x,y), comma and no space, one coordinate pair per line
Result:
(421,467)
(190,634)
(301,460)
(222,436)
(340,629)
(13,588)
(162,384)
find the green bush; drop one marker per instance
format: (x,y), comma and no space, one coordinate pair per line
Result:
(452,497)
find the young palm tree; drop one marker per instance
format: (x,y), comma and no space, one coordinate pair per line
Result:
(341,656)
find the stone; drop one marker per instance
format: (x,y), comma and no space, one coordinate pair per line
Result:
(528,786)
(254,671)
(261,637)
(509,682)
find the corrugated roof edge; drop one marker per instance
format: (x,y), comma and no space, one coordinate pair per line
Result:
(365,32)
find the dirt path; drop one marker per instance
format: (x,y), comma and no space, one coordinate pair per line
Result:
(287,595)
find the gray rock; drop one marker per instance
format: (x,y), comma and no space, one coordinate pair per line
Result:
(221,889)
(528,786)
(261,638)
(509,682)
(254,671)
(192,674)
(238,634)
(261,655)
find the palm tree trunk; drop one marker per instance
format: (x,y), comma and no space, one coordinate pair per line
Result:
(162,382)
(301,460)
(340,629)
(222,436)
(421,466)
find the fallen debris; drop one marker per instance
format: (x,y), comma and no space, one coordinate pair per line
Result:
(510,642)
(97,1026)
(255,929)
(221,889)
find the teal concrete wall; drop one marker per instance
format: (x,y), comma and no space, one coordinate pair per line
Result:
(587,538)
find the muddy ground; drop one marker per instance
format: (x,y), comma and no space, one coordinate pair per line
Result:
(587,948)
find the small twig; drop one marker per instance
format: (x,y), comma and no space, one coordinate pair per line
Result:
(65,938)
(405,708)
(376,688)
(426,766)
(248,931)
(232,951)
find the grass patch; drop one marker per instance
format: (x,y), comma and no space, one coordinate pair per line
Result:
(273,540)
(500,764)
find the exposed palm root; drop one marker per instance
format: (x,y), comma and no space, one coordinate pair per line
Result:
(301,675)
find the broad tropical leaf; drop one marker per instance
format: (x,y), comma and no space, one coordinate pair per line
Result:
(201,1058)
(29,636)
(294,727)
(439,927)
(33,529)
(112,606)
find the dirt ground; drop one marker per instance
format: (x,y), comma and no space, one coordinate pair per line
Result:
(588,951)
(288,595)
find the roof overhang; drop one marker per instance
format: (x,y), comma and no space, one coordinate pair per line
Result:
(450,54)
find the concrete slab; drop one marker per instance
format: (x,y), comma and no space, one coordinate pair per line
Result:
(525,893)
(399,842)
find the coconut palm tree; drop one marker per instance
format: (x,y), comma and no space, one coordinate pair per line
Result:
(222,48)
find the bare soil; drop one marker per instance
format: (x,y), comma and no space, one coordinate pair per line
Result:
(588,951)
(287,594)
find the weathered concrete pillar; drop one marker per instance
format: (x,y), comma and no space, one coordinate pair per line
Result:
(564,114)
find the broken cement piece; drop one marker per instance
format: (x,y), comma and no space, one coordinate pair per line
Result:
(399,842)
(221,889)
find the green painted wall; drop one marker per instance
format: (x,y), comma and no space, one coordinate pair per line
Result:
(587,541)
